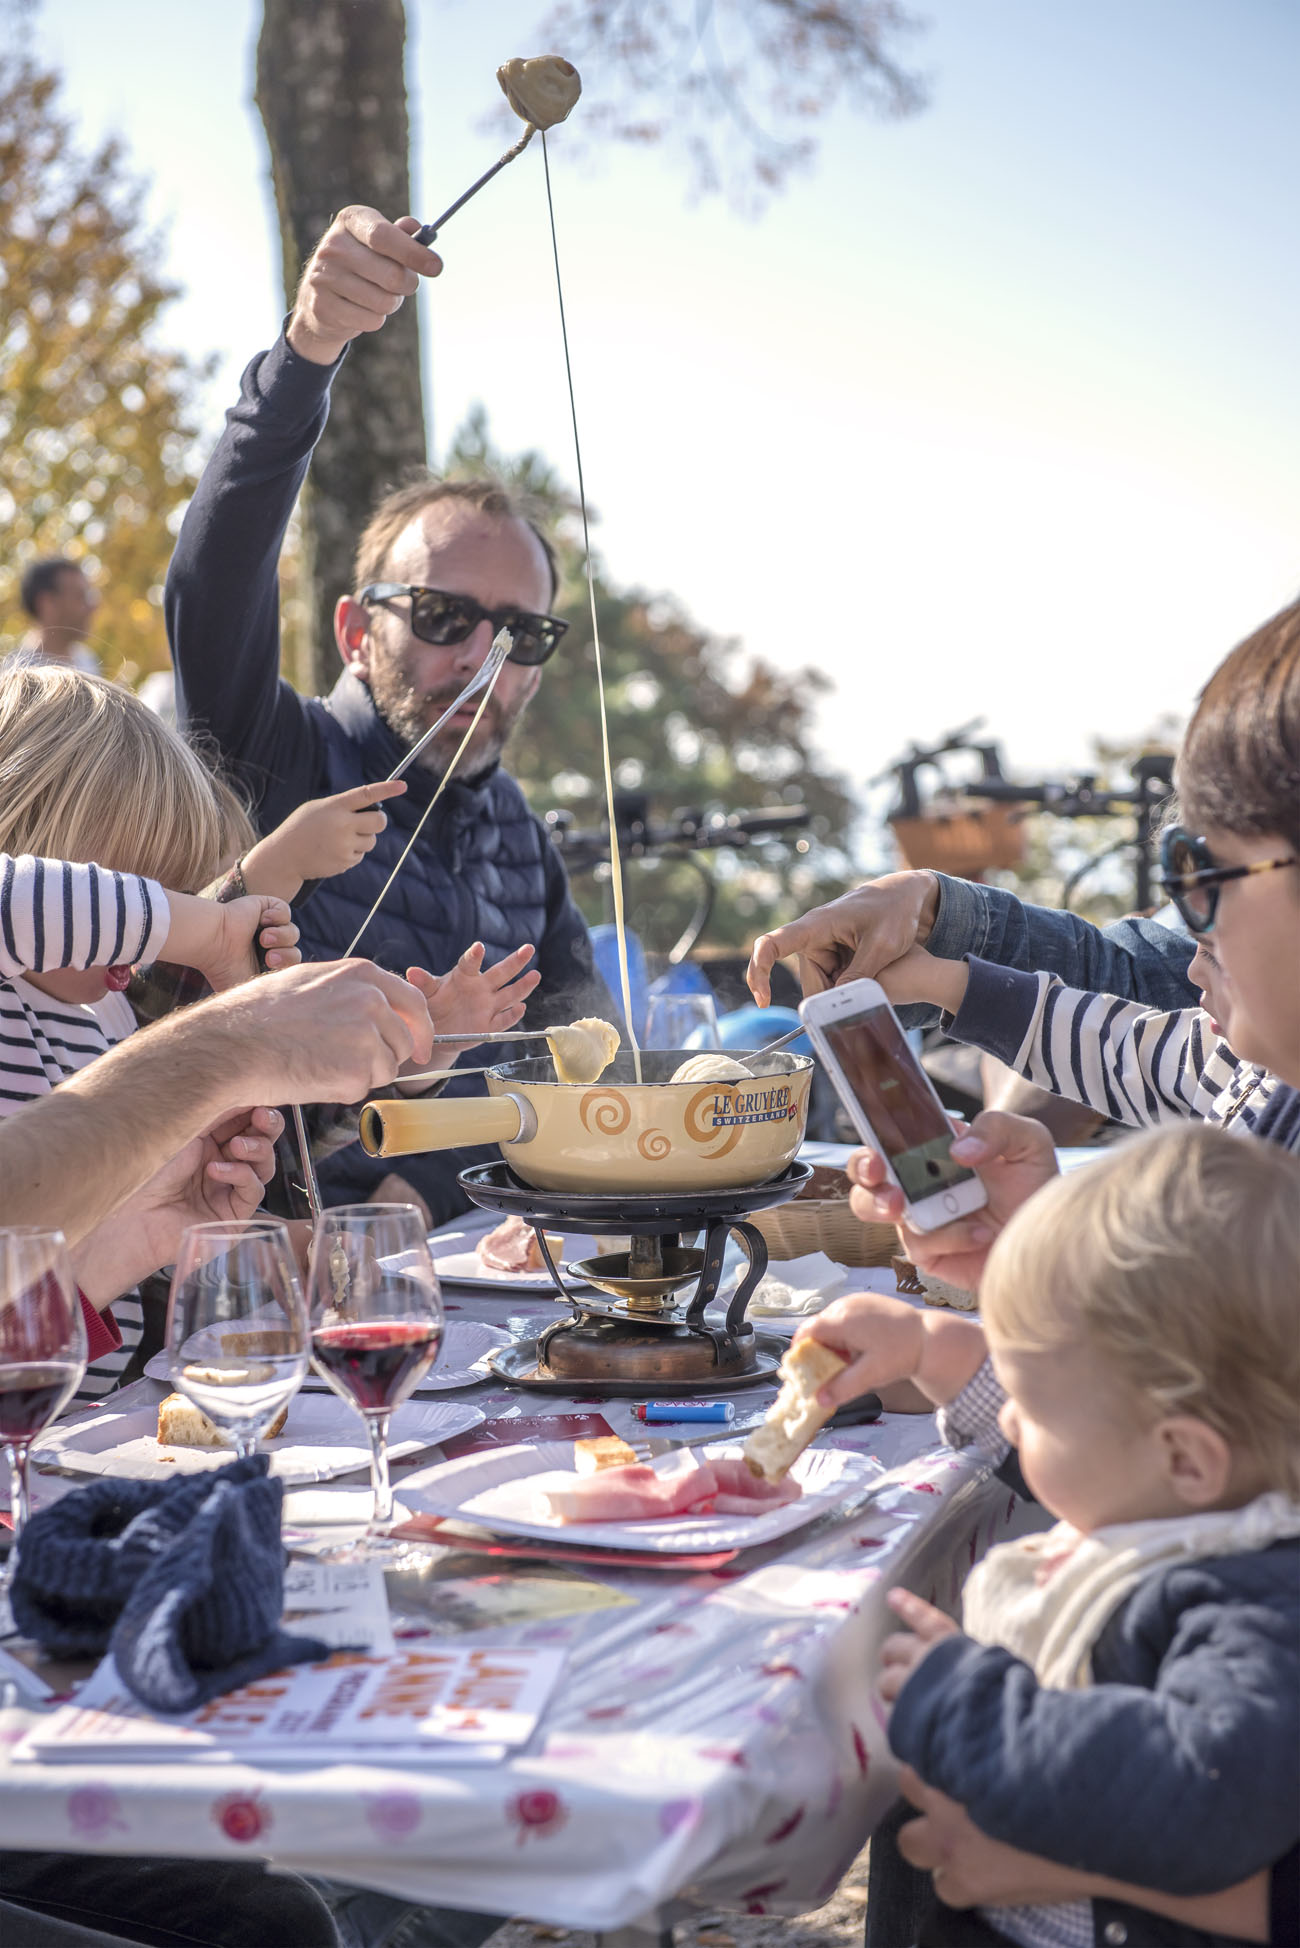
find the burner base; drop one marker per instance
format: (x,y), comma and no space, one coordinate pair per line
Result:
(518,1366)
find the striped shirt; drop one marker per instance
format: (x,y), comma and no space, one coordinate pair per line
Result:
(1135,1064)
(56,915)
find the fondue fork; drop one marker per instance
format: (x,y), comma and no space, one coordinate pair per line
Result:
(502,644)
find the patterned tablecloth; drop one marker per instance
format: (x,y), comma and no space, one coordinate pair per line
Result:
(715,1737)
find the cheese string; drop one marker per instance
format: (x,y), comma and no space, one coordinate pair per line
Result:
(442,786)
(615,855)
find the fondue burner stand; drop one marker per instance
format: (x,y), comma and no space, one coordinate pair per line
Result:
(634,1335)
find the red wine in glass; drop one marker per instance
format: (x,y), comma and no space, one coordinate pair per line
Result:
(376,1323)
(42,1346)
(32,1396)
(377,1362)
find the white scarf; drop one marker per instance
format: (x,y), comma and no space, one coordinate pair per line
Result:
(1047,1598)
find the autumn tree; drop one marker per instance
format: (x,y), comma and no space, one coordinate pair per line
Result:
(97,419)
(693,723)
(737,85)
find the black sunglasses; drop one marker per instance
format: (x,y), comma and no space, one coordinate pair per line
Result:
(443,619)
(1192,880)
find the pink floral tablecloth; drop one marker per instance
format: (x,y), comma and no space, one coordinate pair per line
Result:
(715,1737)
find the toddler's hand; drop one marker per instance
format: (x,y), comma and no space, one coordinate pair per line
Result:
(229,957)
(901,1653)
(323,837)
(881,1338)
(474,1000)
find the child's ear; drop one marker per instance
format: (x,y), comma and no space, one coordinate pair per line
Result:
(1197,1461)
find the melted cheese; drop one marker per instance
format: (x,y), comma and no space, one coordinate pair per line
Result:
(542,90)
(710,1067)
(583,1050)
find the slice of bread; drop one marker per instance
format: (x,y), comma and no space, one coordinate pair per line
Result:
(602,1451)
(182,1424)
(794,1416)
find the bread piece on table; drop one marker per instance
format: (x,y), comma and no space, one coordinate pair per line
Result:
(182,1424)
(591,1457)
(794,1416)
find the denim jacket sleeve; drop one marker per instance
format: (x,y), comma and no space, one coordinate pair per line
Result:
(1140,960)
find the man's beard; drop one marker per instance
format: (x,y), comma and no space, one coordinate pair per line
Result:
(408,713)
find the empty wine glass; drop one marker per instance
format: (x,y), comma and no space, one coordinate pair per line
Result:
(237,1326)
(682,1021)
(42,1348)
(376,1320)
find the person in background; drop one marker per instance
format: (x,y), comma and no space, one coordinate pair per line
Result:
(441,566)
(61,602)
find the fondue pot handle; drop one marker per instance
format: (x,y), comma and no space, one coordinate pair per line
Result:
(403,1128)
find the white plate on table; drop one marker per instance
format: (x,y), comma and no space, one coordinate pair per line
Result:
(323,1438)
(464,1343)
(496,1490)
(461,1265)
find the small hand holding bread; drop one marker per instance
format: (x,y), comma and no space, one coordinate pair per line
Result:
(795,1416)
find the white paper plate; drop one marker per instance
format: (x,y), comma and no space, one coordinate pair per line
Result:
(494,1490)
(323,1438)
(464,1342)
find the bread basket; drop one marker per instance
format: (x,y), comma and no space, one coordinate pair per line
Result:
(819,1219)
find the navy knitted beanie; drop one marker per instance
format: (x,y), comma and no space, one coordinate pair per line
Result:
(182,1580)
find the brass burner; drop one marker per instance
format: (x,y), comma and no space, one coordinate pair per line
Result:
(647,1284)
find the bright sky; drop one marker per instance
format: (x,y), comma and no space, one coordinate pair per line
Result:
(995,412)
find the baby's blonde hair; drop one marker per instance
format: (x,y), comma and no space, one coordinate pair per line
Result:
(88,772)
(1176,1258)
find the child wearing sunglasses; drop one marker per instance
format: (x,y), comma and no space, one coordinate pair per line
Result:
(1124,1698)
(1233,870)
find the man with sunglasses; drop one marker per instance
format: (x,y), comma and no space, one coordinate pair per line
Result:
(441,568)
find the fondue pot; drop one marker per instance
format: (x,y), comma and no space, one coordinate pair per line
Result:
(616,1134)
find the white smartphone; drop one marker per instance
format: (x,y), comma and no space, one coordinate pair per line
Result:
(891,1101)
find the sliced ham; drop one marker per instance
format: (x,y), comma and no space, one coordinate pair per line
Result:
(740,1494)
(682,1485)
(634,1494)
(513,1247)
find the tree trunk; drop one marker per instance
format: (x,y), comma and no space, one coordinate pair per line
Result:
(331,90)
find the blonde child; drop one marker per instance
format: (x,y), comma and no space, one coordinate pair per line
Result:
(1124,1696)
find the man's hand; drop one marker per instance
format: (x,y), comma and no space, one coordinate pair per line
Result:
(1012,1156)
(217,1178)
(330,1031)
(476,1000)
(355,279)
(901,1653)
(850,938)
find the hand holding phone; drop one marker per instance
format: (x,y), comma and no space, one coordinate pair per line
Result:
(891,1101)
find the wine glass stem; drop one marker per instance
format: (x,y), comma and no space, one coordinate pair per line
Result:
(19,1501)
(377,1428)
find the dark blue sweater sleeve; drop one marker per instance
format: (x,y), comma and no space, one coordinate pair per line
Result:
(1139,960)
(1186,1787)
(222,598)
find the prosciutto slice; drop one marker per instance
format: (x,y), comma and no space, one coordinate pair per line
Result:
(739,1493)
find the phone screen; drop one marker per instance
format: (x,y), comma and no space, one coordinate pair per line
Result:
(907,1118)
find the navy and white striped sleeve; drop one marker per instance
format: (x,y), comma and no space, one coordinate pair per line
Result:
(1131,1063)
(54,913)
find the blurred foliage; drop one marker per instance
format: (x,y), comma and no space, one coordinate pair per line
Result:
(97,422)
(733,85)
(692,722)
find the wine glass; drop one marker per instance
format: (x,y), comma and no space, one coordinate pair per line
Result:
(42,1348)
(682,1021)
(376,1320)
(237,1326)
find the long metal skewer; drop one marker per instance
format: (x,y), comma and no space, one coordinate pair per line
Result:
(429,231)
(502,644)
